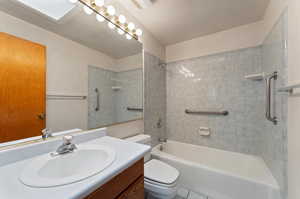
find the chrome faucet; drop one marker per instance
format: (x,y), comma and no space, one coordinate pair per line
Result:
(46,133)
(66,147)
(162,140)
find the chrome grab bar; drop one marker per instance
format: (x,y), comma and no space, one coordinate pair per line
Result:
(269,79)
(65,97)
(97,99)
(289,89)
(224,113)
(135,109)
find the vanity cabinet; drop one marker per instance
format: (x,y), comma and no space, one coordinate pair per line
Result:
(127,185)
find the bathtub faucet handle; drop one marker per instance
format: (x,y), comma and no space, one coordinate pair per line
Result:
(162,140)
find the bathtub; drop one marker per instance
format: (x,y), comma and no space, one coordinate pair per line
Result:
(219,174)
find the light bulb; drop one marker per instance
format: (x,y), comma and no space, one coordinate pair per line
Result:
(121,32)
(111,10)
(128,36)
(131,26)
(99,3)
(122,19)
(100,18)
(73,1)
(139,32)
(111,25)
(88,10)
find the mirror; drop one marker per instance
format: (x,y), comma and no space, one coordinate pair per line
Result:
(115,96)
(63,69)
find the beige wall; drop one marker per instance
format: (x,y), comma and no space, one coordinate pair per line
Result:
(273,12)
(294,102)
(233,39)
(237,38)
(151,45)
(130,62)
(67,73)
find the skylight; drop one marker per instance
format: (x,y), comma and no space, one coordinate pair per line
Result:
(56,9)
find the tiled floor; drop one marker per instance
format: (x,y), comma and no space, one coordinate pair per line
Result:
(178,197)
(190,195)
(184,193)
(193,195)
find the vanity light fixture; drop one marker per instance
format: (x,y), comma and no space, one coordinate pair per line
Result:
(99,3)
(111,25)
(128,36)
(122,19)
(73,1)
(120,31)
(100,18)
(87,10)
(111,10)
(109,13)
(139,32)
(131,26)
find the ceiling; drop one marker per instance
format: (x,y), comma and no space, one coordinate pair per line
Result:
(172,21)
(78,27)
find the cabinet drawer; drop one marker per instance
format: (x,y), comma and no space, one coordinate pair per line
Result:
(120,183)
(134,191)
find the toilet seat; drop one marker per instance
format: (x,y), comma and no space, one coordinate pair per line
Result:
(158,172)
(154,183)
(160,179)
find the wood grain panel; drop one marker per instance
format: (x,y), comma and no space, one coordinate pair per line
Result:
(134,191)
(22,88)
(120,183)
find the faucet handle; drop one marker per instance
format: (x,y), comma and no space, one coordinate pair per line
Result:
(46,130)
(67,139)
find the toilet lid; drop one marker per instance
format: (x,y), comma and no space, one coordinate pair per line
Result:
(160,172)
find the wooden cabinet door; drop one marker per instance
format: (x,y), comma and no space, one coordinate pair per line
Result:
(22,88)
(120,183)
(135,191)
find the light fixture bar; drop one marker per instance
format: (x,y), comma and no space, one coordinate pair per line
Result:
(91,4)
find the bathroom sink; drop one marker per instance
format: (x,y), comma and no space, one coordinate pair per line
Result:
(49,171)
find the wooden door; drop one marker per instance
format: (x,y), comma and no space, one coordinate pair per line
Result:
(22,88)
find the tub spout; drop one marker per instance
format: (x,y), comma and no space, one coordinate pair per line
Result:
(162,140)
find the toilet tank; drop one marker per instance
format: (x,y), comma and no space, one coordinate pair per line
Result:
(142,139)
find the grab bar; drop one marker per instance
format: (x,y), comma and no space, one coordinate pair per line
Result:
(289,89)
(224,113)
(269,98)
(97,99)
(65,97)
(135,109)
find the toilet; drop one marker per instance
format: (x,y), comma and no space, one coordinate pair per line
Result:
(160,178)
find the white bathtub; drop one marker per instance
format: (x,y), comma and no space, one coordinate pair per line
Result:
(217,173)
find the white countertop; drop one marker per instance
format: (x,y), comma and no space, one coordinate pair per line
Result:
(127,154)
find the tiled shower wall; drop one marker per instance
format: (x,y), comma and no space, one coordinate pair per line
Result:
(274,138)
(155,97)
(217,83)
(114,102)
(130,94)
(101,79)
